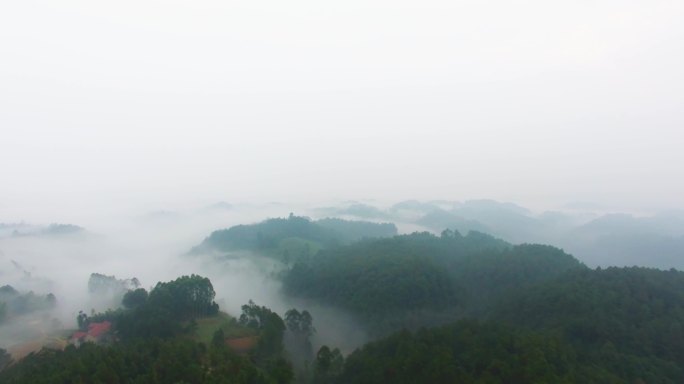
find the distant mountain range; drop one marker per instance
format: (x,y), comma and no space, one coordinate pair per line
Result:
(24,229)
(598,239)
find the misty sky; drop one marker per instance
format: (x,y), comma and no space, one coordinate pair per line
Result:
(156,102)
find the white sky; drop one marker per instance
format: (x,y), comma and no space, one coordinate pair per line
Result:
(537,102)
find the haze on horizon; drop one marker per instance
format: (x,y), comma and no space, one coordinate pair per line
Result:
(151,104)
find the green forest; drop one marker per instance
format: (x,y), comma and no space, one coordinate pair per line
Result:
(448,308)
(14,303)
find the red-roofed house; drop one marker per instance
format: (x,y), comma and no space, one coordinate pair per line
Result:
(96,333)
(96,330)
(79,335)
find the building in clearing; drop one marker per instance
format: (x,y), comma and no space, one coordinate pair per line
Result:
(97,332)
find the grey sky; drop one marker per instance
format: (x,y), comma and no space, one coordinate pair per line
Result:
(538,102)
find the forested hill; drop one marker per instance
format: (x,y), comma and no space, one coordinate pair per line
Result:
(420,279)
(440,309)
(632,318)
(294,232)
(173,334)
(469,352)
(616,325)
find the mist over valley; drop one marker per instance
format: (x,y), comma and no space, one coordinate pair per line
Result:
(360,271)
(358,192)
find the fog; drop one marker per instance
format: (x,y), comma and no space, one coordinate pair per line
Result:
(151,247)
(151,103)
(596,235)
(150,124)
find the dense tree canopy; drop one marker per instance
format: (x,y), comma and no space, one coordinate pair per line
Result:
(140,361)
(165,310)
(186,297)
(632,318)
(619,325)
(135,298)
(154,341)
(388,279)
(477,310)
(271,329)
(270,234)
(469,352)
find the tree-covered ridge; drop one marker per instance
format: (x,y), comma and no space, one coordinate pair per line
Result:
(187,297)
(487,276)
(269,234)
(449,273)
(140,361)
(155,339)
(471,352)
(23,229)
(15,303)
(366,278)
(615,325)
(161,313)
(348,231)
(533,314)
(631,318)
